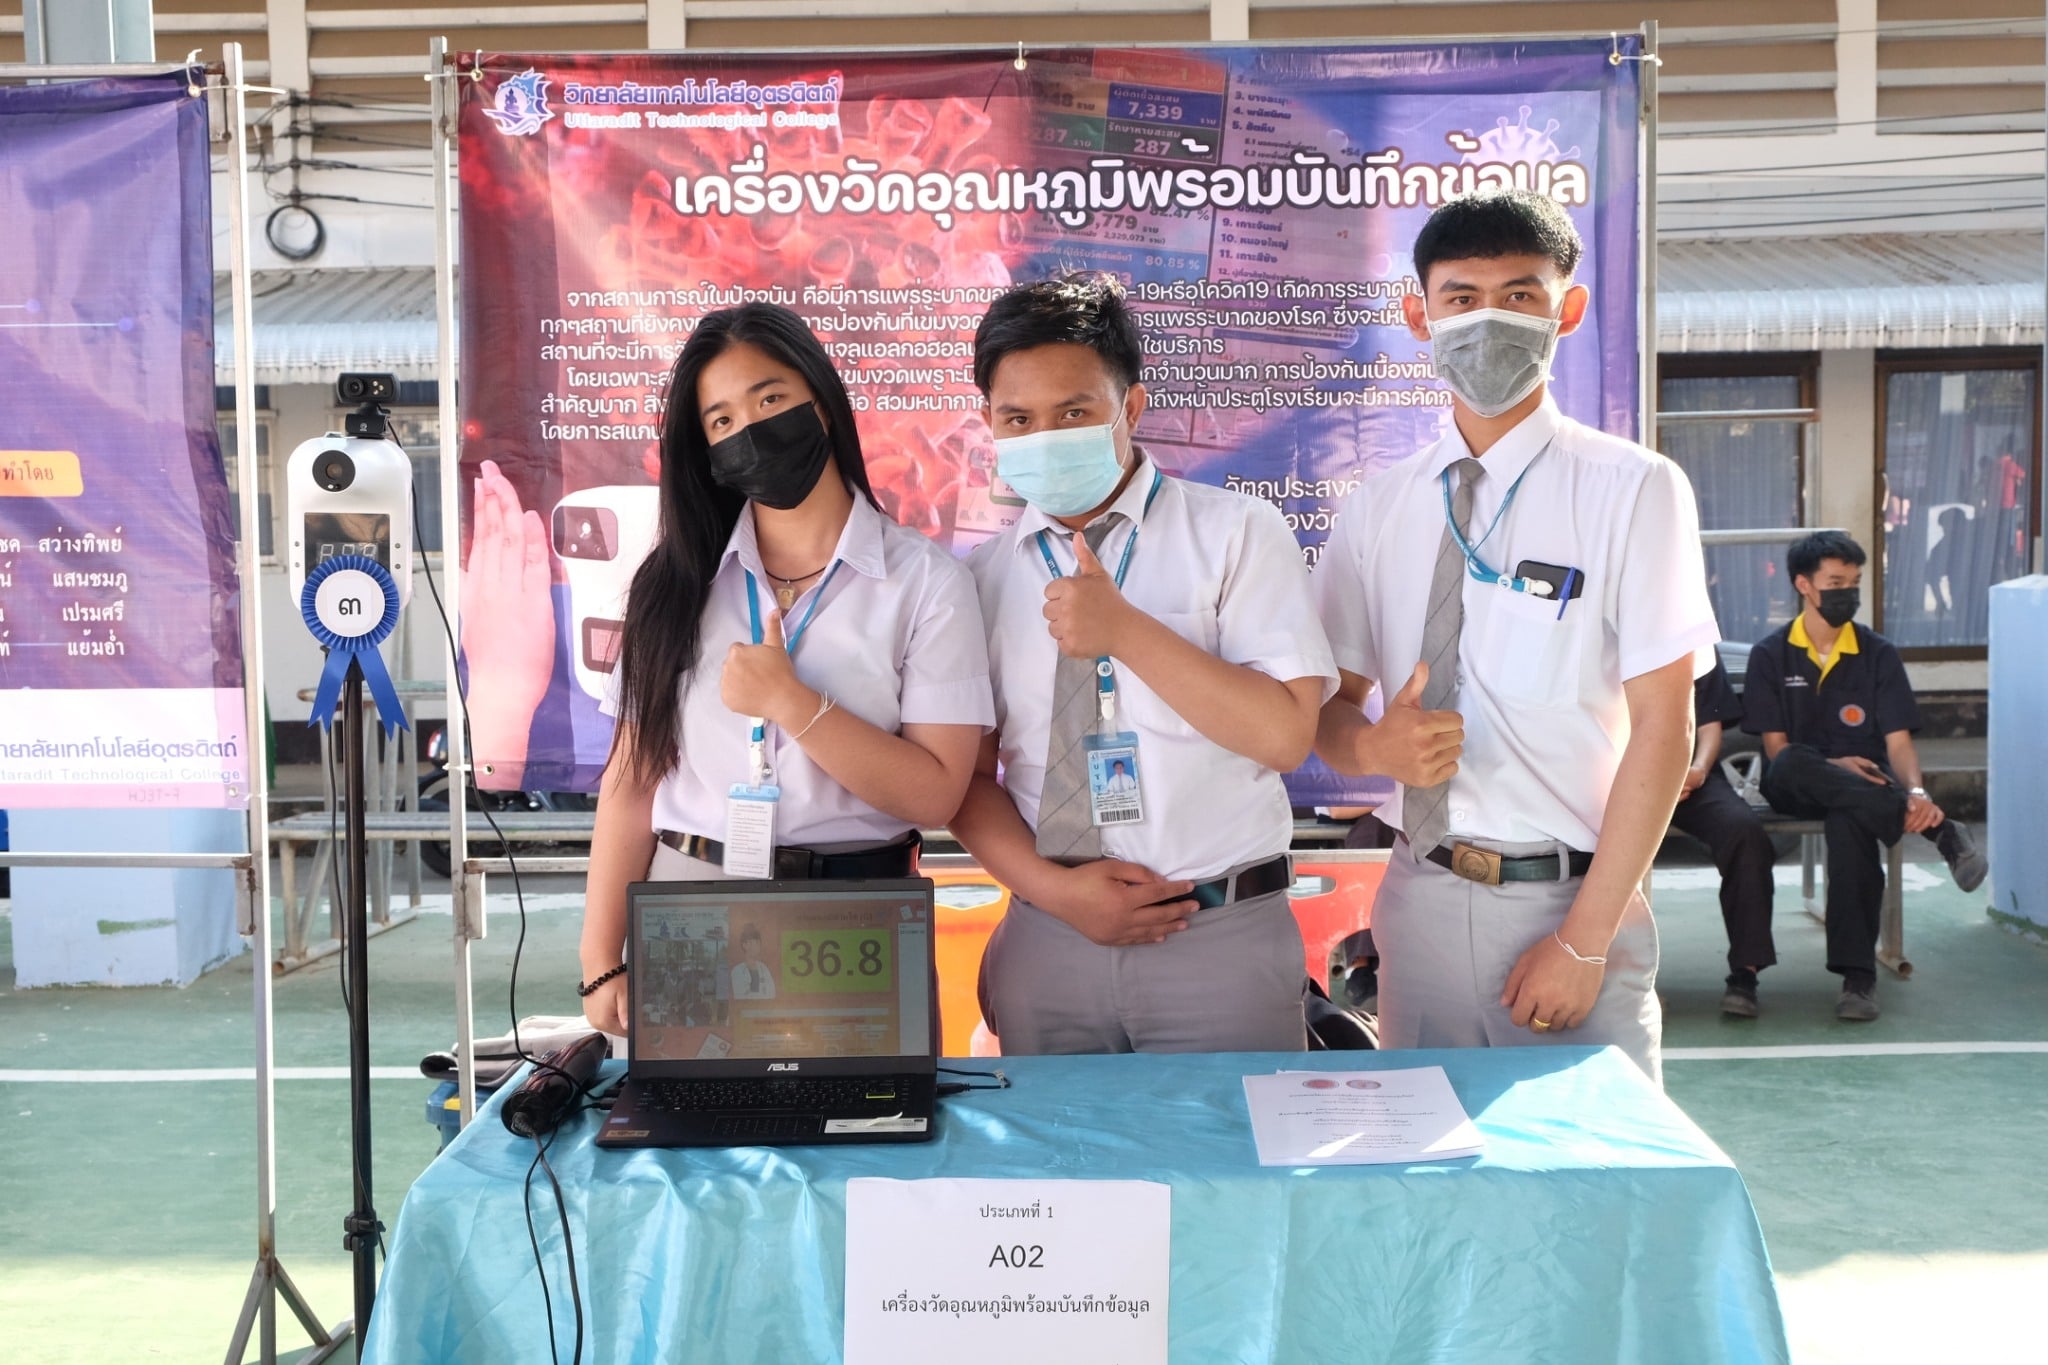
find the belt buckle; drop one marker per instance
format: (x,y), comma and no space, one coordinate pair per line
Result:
(1476,864)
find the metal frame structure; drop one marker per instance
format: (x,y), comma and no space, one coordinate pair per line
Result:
(466,874)
(252,885)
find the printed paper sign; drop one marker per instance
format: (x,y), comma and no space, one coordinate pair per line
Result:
(1007,1272)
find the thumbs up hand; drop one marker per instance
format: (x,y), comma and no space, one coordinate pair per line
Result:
(760,680)
(1084,611)
(1415,747)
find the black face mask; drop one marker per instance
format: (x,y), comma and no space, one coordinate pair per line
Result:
(776,461)
(1837,606)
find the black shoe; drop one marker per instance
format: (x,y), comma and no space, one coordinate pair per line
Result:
(1858,1003)
(1739,1000)
(1966,862)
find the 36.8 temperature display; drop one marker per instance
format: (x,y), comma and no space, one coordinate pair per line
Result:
(815,961)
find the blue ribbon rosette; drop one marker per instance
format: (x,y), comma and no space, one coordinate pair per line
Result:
(350,620)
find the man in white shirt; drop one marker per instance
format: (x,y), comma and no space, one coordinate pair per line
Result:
(1166,624)
(1531,592)
(750,976)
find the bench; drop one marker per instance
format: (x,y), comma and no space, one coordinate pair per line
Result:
(315,833)
(1745,773)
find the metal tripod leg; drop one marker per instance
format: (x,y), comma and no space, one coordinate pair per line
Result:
(260,1307)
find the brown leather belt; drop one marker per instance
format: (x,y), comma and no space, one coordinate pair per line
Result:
(803,864)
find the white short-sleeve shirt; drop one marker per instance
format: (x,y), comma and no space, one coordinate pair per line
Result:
(1541,694)
(1223,572)
(896,640)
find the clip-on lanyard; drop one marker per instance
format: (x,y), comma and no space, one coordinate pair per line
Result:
(1478,567)
(1105,672)
(757,740)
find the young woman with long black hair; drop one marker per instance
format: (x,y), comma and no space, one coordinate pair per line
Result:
(778,590)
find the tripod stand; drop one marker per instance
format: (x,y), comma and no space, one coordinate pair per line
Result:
(363,1235)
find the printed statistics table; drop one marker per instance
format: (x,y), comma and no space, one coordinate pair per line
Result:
(1599,1224)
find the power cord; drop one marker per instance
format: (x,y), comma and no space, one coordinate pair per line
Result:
(945,1088)
(460,786)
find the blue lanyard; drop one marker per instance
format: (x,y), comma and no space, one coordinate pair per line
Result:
(1474,565)
(759,738)
(1105,672)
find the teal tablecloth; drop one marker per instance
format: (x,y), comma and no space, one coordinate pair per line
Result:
(1599,1225)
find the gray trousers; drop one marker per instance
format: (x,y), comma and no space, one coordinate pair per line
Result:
(1446,946)
(1231,982)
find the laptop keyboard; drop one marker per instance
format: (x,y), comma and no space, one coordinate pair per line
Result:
(815,1094)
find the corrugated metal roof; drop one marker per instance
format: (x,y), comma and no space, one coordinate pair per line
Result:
(1748,294)
(1848,293)
(311,325)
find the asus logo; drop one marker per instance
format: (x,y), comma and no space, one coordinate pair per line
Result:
(785,1066)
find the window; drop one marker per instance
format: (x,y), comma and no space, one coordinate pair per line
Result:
(266,470)
(1957,488)
(1738,427)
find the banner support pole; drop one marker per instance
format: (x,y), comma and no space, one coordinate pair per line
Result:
(469,922)
(259,1309)
(1647,121)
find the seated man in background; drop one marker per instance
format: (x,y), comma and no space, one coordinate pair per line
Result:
(1837,716)
(1713,812)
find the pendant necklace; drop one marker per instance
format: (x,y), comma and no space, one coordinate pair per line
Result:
(786,588)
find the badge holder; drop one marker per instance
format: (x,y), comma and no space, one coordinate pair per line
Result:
(750,814)
(1115,796)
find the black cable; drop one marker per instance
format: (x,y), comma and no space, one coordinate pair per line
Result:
(533,1238)
(461,794)
(569,1249)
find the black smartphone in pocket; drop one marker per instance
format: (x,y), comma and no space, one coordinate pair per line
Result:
(1565,582)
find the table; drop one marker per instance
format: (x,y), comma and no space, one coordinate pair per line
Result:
(1599,1225)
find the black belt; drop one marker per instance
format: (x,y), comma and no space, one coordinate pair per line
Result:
(1491,869)
(804,865)
(1276,874)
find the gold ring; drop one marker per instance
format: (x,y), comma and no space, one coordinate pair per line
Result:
(1539,1024)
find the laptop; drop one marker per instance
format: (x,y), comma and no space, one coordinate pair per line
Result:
(778,1012)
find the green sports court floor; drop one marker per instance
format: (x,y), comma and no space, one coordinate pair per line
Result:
(1898,1167)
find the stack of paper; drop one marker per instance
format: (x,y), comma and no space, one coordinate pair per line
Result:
(1356,1118)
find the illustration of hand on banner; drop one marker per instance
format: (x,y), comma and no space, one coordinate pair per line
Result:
(351,606)
(508,624)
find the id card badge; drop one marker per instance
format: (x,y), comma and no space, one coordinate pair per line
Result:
(1113,793)
(750,830)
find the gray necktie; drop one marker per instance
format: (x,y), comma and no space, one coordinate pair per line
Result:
(1425,811)
(1066,827)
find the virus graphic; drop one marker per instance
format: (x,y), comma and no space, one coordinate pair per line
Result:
(522,105)
(1509,143)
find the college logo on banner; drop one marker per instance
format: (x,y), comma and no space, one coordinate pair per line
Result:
(1259,205)
(522,105)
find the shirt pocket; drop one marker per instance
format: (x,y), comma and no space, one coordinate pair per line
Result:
(1137,705)
(1527,654)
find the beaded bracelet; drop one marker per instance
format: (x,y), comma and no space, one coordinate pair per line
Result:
(585,988)
(1578,956)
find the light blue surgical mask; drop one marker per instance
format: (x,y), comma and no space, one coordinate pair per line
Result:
(1064,471)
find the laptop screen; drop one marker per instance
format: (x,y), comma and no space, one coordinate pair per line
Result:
(806,970)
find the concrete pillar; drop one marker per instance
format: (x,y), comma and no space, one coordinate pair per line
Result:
(1843,471)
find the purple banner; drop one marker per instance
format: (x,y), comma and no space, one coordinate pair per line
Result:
(120,648)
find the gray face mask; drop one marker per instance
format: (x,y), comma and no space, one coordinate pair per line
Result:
(1492,358)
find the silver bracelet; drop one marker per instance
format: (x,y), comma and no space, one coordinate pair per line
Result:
(1576,955)
(824,705)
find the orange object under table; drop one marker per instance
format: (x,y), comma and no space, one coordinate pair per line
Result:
(1331,901)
